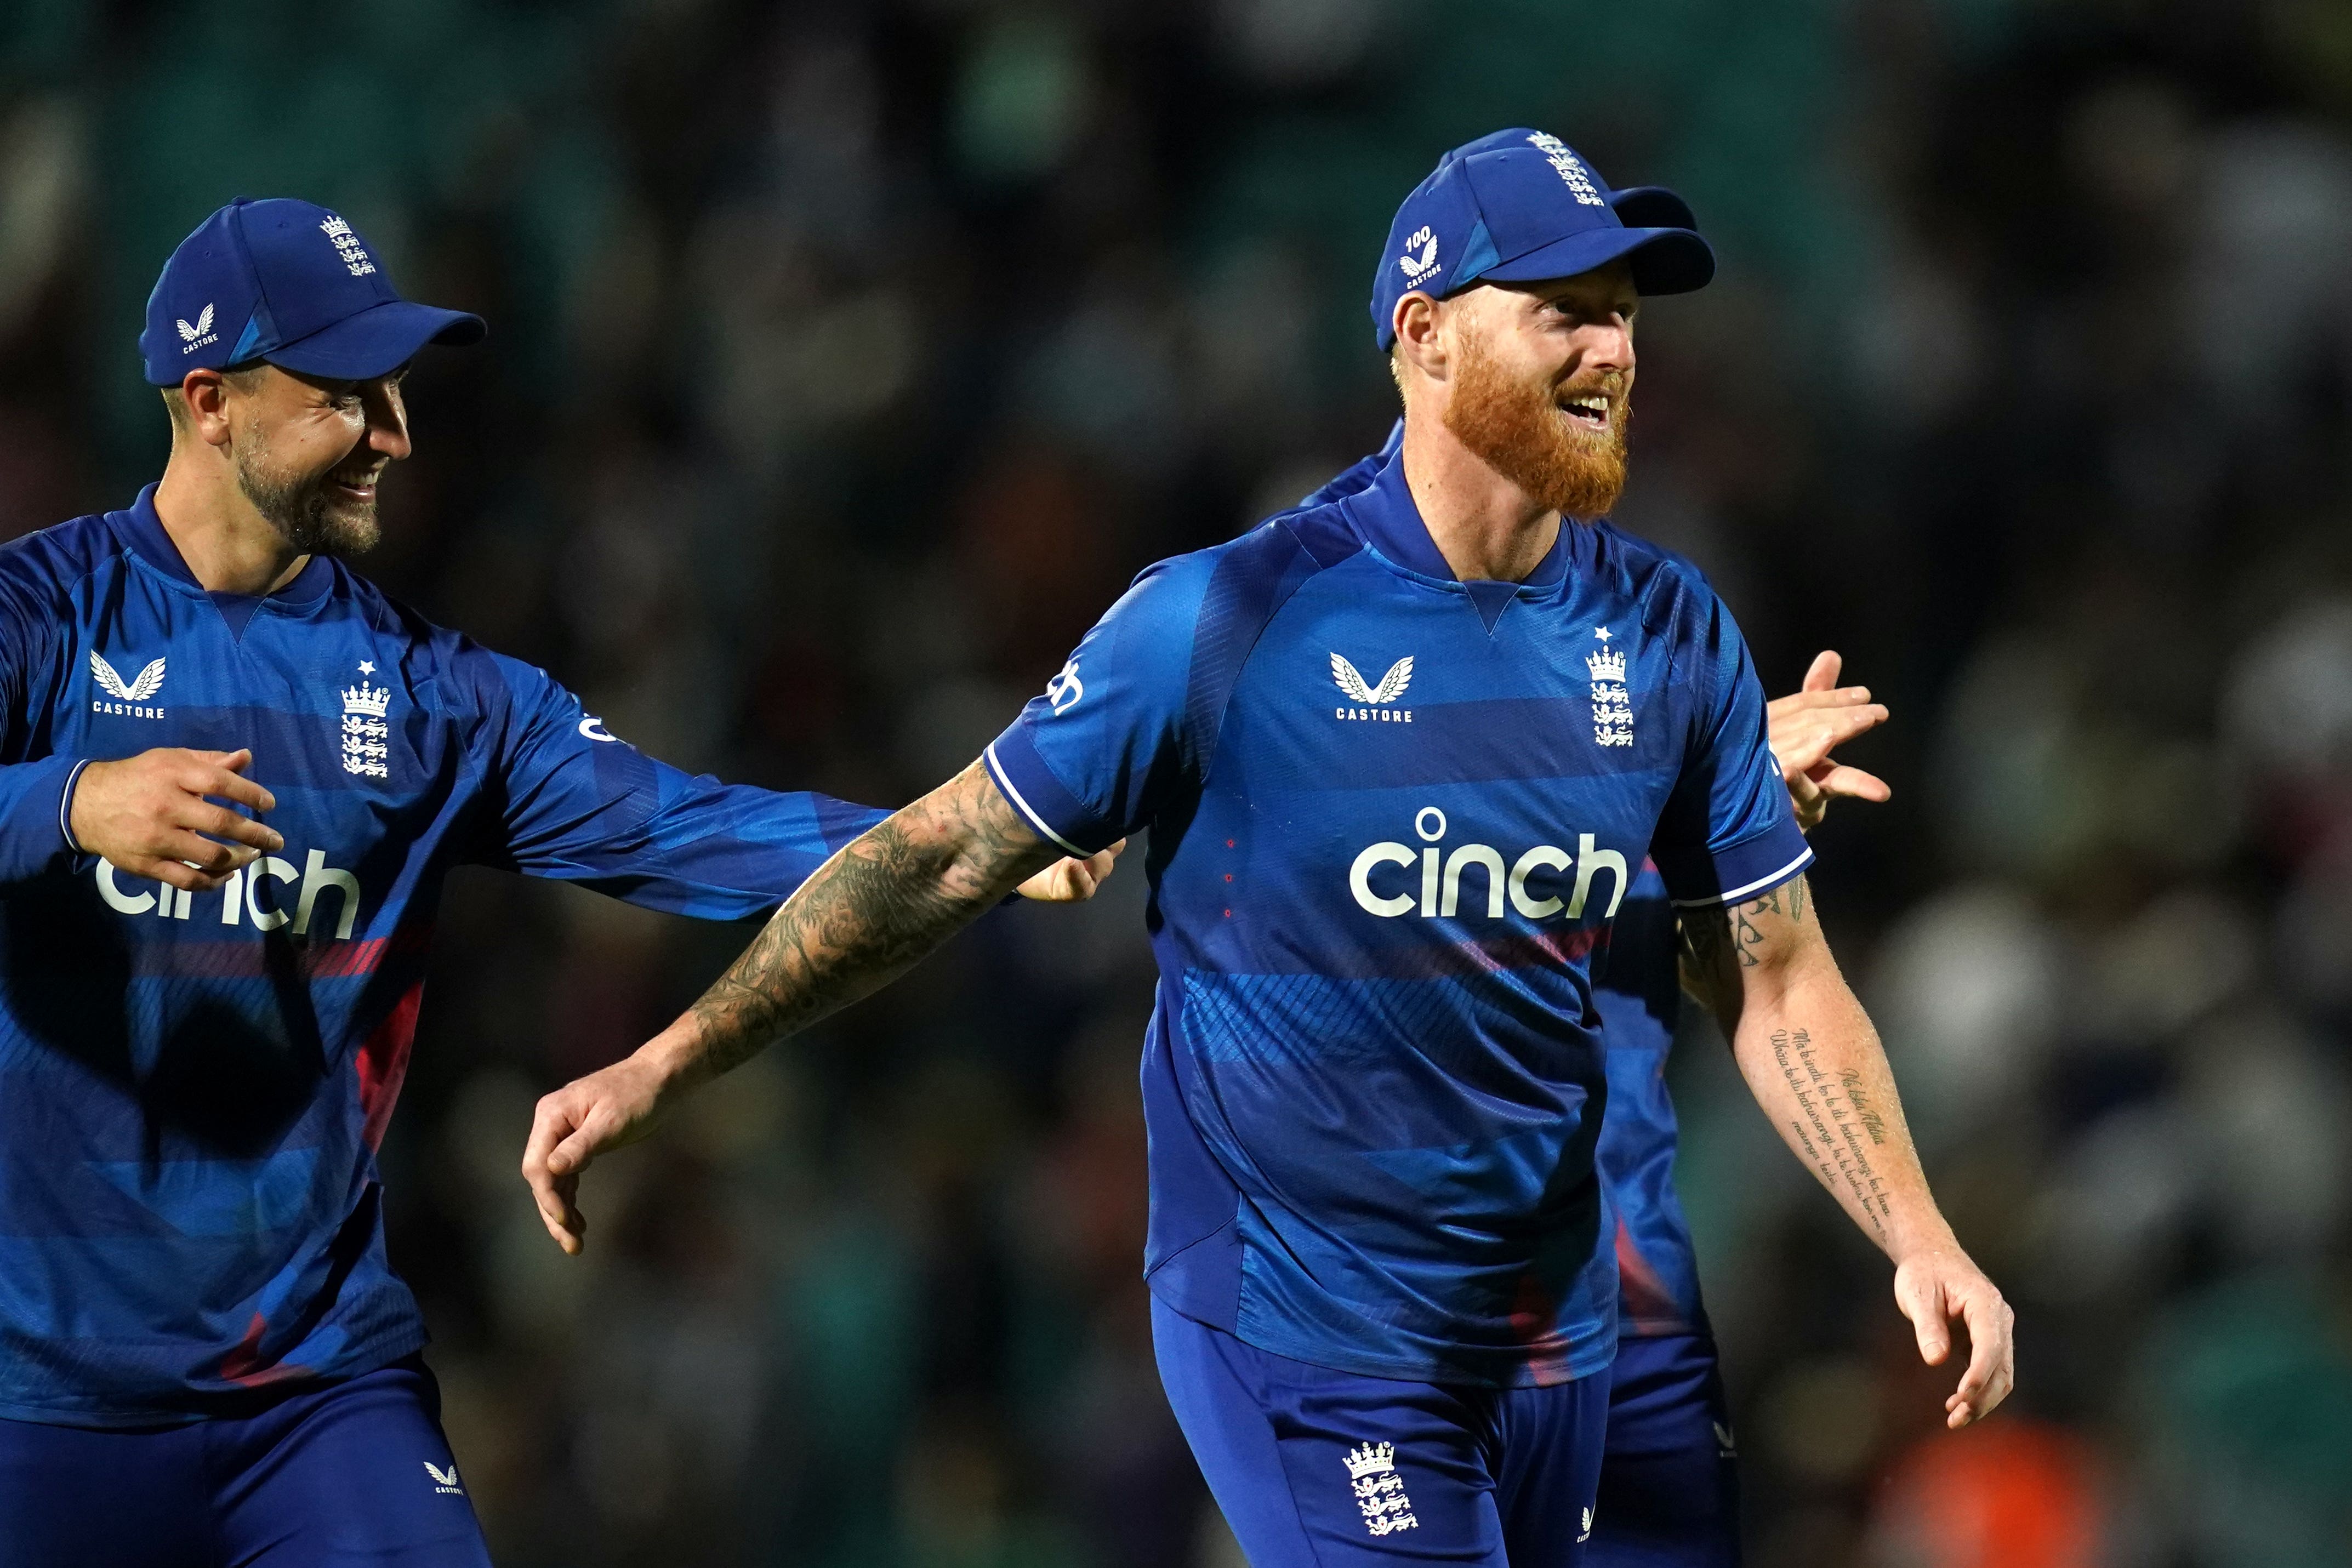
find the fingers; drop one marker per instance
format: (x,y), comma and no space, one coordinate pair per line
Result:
(220,822)
(1923,1303)
(1851,783)
(224,783)
(1992,1351)
(551,1189)
(1802,740)
(1824,672)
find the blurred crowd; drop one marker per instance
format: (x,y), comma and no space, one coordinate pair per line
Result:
(847,358)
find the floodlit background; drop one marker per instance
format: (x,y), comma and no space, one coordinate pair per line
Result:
(847,358)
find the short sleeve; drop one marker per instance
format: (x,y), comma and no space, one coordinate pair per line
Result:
(1110,742)
(1728,831)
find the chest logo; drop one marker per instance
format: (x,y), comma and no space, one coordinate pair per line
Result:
(130,696)
(1612,708)
(367,739)
(1376,700)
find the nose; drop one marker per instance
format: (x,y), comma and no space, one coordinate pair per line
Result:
(387,417)
(1609,346)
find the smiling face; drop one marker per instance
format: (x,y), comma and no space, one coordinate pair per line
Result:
(309,450)
(1542,382)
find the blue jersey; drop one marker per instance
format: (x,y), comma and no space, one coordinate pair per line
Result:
(1391,816)
(193,1085)
(1639,989)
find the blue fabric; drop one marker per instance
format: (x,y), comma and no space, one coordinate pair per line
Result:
(1518,205)
(192,1086)
(354,1474)
(1316,1469)
(1640,996)
(1639,992)
(1669,1491)
(1374,1073)
(291,283)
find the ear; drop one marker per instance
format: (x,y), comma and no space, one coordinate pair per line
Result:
(1421,342)
(206,393)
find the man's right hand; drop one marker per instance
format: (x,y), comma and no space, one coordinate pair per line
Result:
(149,815)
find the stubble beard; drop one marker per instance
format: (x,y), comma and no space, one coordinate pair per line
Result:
(1516,427)
(303,508)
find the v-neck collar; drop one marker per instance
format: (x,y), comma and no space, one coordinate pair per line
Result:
(1386,516)
(145,533)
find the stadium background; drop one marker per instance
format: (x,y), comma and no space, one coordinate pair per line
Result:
(845,361)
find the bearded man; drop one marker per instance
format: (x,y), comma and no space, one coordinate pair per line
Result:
(1381,1263)
(205,1356)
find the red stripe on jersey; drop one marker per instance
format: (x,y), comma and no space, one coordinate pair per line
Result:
(383,1062)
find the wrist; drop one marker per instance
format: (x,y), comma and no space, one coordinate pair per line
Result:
(675,1058)
(73,836)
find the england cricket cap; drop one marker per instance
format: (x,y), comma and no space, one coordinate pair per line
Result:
(295,285)
(1520,205)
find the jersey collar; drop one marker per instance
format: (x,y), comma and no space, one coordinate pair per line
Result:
(1386,517)
(146,535)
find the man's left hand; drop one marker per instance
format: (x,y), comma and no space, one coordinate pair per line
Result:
(1938,1286)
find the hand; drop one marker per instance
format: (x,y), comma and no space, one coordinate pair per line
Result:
(1939,1285)
(1071,880)
(1808,724)
(606,1110)
(149,815)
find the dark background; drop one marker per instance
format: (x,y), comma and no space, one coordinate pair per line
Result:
(846,360)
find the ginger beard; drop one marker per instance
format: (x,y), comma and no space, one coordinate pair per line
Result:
(303,507)
(1517,427)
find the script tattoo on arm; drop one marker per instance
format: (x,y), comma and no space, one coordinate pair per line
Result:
(874,910)
(1834,1118)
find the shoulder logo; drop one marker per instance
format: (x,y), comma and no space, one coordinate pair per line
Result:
(347,246)
(1724,1439)
(1376,699)
(1612,707)
(444,1480)
(366,737)
(1420,257)
(1063,692)
(196,337)
(130,696)
(1380,1491)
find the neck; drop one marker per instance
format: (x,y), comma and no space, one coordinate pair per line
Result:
(228,545)
(1484,526)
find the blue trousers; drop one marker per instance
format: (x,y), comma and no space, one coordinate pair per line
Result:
(1318,1469)
(355,1473)
(1669,1493)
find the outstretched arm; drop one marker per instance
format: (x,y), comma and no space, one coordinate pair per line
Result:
(1815,1066)
(868,915)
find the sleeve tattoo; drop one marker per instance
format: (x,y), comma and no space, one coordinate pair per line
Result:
(884,903)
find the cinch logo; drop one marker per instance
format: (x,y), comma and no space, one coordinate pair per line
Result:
(1441,875)
(243,897)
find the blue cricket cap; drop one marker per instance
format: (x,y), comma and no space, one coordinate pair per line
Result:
(295,285)
(1520,205)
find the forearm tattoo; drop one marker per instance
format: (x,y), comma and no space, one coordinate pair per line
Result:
(1709,935)
(1833,1120)
(885,903)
